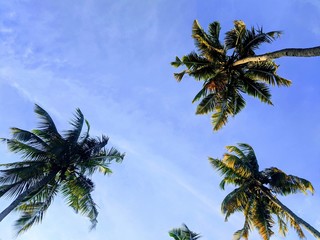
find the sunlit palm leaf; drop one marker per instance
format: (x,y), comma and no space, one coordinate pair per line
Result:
(262,219)
(235,201)
(219,118)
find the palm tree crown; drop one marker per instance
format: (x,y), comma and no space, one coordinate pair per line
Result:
(52,163)
(223,82)
(255,193)
(183,233)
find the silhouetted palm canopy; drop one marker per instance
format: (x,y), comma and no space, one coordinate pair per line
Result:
(183,233)
(224,83)
(255,193)
(53,163)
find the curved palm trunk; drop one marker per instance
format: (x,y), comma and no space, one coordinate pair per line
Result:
(20,198)
(287,52)
(299,220)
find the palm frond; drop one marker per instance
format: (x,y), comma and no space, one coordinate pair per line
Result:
(233,180)
(283,218)
(241,167)
(177,62)
(233,38)
(262,219)
(46,123)
(284,184)
(297,228)
(244,232)
(183,233)
(198,67)
(283,228)
(33,211)
(26,150)
(235,201)
(230,175)
(179,76)
(85,136)
(219,118)
(77,192)
(214,34)
(235,102)
(253,38)
(266,71)
(202,93)
(73,135)
(211,50)
(238,151)
(16,181)
(247,212)
(257,89)
(207,104)
(28,138)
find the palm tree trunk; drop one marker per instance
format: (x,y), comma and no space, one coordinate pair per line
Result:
(26,193)
(299,220)
(287,52)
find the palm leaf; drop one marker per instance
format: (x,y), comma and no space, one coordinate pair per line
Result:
(235,201)
(219,118)
(214,33)
(77,192)
(28,138)
(209,49)
(26,150)
(202,93)
(257,89)
(207,104)
(266,71)
(233,38)
(77,123)
(46,124)
(262,219)
(33,211)
(183,233)
(284,184)
(225,171)
(254,38)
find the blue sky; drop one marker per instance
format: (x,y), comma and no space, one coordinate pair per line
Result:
(112,60)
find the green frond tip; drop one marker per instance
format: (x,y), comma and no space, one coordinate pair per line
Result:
(179,76)
(275,34)
(219,119)
(177,62)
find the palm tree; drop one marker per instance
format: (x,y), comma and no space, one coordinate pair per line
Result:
(228,70)
(53,163)
(256,191)
(183,233)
